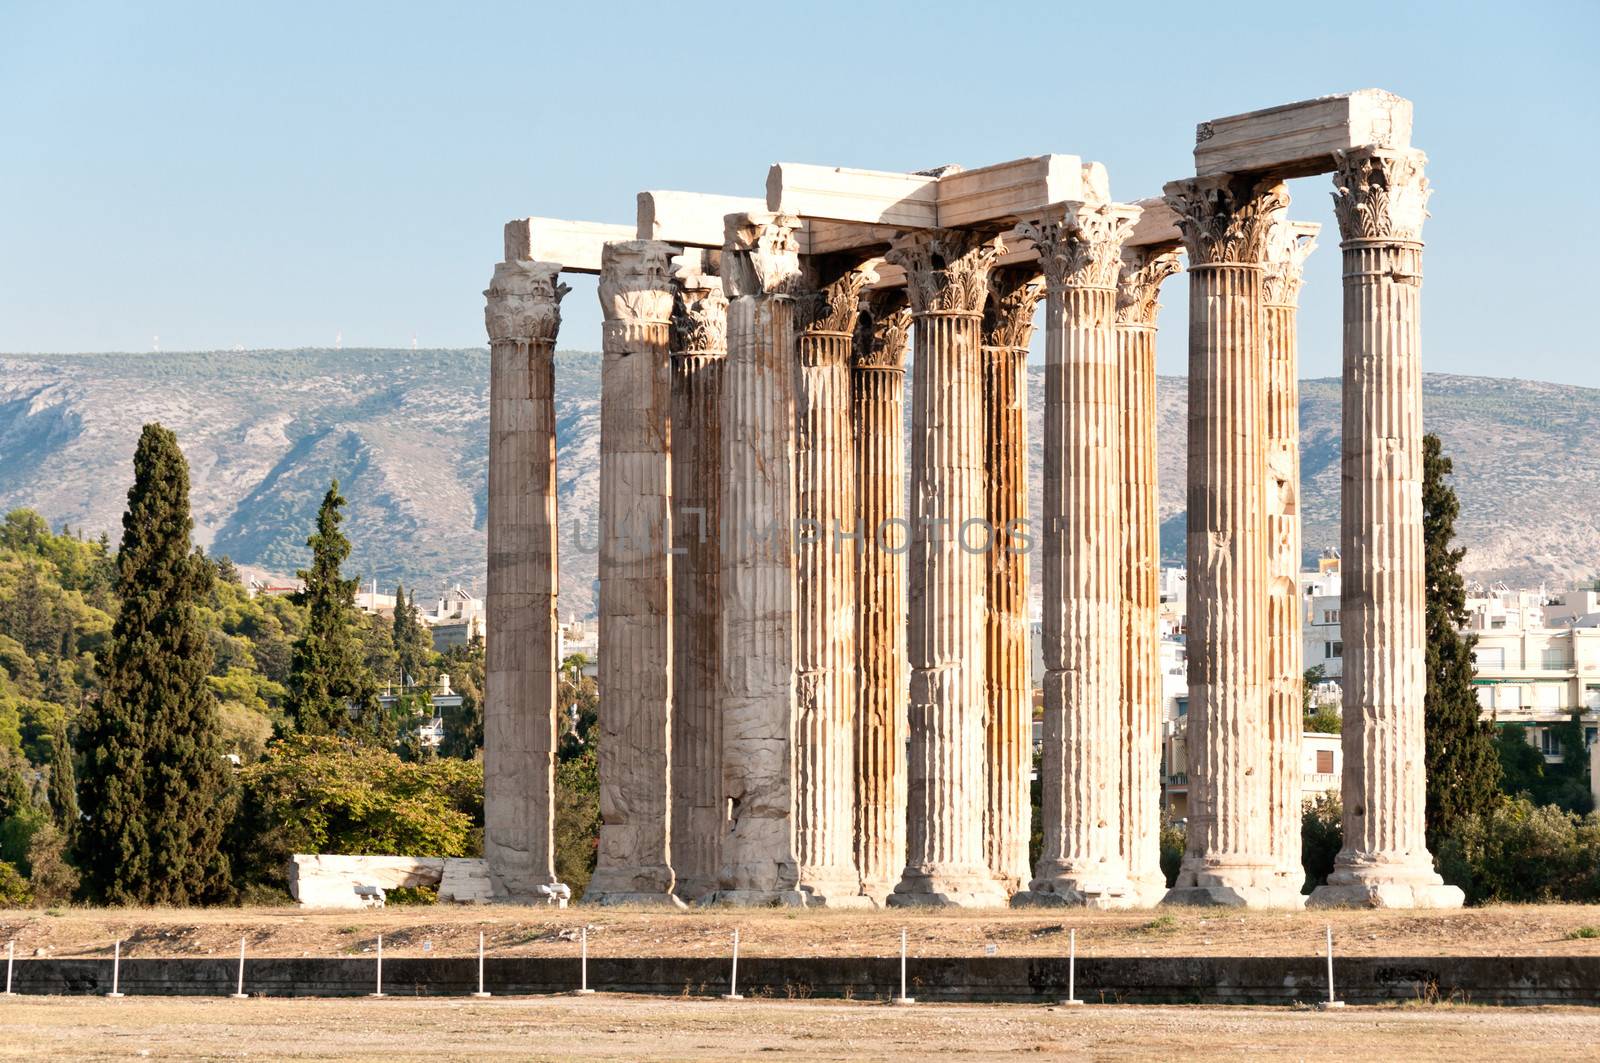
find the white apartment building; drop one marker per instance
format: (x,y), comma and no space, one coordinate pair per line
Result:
(1537,658)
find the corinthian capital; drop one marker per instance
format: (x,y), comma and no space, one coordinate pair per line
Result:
(1224,218)
(524,302)
(1289,244)
(947,270)
(636,281)
(883,329)
(699,315)
(1139,283)
(1380,194)
(1014,292)
(833,300)
(761,255)
(1080,244)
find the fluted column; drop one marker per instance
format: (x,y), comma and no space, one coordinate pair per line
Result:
(825,559)
(1380,201)
(1081,862)
(636,654)
(877,383)
(1224,222)
(699,347)
(1139,284)
(523,316)
(1008,666)
(947,280)
(761,272)
(1288,245)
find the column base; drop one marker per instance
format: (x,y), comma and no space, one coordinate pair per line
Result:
(1240,885)
(1075,892)
(877,892)
(948,888)
(830,890)
(755,899)
(1148,890)
(1372,884)
(553,894)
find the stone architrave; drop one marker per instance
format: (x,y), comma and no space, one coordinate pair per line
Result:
(523,315)
(1224,221)
(1014,293)
(761,273)
(877,382)
(1380,201)
(699,347)
(826,548)
(1289,243)
(947,280)
(1139,285)
(1080,247)
(634,864)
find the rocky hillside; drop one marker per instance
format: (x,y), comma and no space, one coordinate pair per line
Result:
(404,432)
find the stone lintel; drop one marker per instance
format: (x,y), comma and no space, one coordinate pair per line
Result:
(576,245)
(690,219)
(953,198)
(1300,139)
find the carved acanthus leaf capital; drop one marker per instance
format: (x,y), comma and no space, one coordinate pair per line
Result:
(1289,244)
(1080,244)
(1224,218)
(832,305)
(883,331)
(1139,283)
(699,315)
(524,302)
(1381,194)
(947,270)
(636,281)
(1014,293)
(761,255)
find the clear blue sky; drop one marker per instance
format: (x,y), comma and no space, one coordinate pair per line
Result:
(273,174)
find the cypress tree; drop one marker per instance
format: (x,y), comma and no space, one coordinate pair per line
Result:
(413,644)
(63,781)
(156,792)
(1463,766)
(331,691)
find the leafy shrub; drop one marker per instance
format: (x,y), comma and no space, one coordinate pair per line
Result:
(321,794)
(1173,839)
(14,891)
(1520,851)
(1321,838)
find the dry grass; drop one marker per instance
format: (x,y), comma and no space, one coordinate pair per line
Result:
(634,1028)
(448,930)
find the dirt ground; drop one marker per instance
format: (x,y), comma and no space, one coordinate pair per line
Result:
(1550,930)
(635,1028)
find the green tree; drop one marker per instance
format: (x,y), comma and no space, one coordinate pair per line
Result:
(1463,768)
(463,725)
(413,644)
(330,689)
(63,781)
(156,792)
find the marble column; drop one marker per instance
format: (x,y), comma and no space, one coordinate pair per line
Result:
(761,273)
(1139,284)
(1014,293)
(1224,222)
(523,316)
(947,279)
(1080,248)
(1380,201)
(826,546)
(877,383)
(1288,245)
(634,865)
(699,347)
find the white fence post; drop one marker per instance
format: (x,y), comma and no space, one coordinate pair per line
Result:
(480,992)
(239,994)
(379,991)
(902,998)
(116,972)
(733,978)
(583,962)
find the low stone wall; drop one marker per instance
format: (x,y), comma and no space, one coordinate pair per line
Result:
(1111,980)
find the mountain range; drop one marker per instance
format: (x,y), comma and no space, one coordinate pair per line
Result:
(405,433)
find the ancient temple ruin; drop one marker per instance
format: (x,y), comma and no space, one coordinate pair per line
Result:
(814,644)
